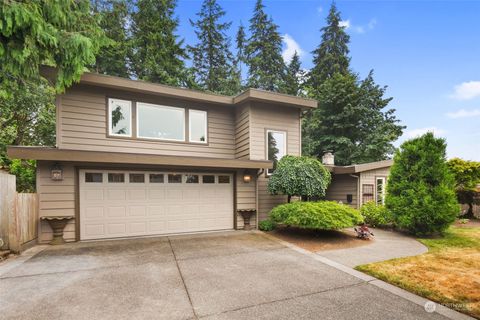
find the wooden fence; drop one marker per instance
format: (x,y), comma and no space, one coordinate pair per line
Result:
(18,215)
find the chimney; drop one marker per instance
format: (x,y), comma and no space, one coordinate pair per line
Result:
(328,159)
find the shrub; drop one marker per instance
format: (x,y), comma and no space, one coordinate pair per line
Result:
(376,215)
(420,189)
(467,178)
(299,176)
(266,225)
(325,215)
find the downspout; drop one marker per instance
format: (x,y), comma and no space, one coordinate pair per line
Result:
(259,173)
(358,188)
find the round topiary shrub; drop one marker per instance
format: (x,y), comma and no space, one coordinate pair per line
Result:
(376,215)
(324,215)
(266,225)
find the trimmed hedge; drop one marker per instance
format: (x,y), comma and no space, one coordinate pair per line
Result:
(324,215)
(376,215)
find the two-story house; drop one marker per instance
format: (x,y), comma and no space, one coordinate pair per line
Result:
(135,158)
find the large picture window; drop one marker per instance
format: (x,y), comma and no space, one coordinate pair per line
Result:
(197,126)
(160,122)
(120,117)
(276,147)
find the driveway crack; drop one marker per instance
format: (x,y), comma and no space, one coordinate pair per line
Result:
(183,280)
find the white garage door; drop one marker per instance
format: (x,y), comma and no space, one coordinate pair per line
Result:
(134,203)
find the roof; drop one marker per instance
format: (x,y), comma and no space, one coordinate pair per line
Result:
(356,168)
(112,82)
(54,154)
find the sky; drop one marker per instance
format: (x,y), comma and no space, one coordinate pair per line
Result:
(426,52)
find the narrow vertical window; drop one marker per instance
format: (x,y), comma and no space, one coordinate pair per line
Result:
(380,194)
(367,193)
(120,117)
(276,147)
(197,126)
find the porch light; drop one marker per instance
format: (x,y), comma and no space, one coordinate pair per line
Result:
(247,178)
(56,172)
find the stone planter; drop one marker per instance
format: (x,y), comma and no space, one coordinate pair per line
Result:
(57,224)
(246,215)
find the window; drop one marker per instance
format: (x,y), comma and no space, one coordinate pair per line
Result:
(367,193)
(197,126)
(276,147)
(120,117)
(156,177)
(116,178)
(136,178)
(93,177)
(191,178)
(160,122)
(208,179)
(174,178)
(223,179)
(380,195)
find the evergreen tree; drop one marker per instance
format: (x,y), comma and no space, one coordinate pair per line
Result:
(157,53)
(294,77)
(112,59)
(213,62)
(264,52)
(241,41)
(420,189)
(331,56)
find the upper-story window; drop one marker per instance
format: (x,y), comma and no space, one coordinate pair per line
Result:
(276,147)
(160,122)
(120,117)
(197,126)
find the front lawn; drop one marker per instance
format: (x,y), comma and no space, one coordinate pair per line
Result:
(449,273)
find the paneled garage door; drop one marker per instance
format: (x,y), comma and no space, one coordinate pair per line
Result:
(134,203)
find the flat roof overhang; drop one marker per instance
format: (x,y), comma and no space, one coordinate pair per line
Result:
(54,154)
(359,167)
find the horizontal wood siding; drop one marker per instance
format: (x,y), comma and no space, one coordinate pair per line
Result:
(341,185)
(242,132)
(368,177)
(83,125)
(263,117)
(55,198)
(246,198)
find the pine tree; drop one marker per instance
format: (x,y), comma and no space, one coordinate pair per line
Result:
(294,77)
(113,58)
(263,52)
(157,52)
(213,62)
(331,56)
(241,40)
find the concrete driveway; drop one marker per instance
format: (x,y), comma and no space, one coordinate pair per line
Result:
(234,275)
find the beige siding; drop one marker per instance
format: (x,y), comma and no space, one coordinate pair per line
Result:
(83,125)
(246,197)
(341,185)
(55,198)
(262,118)
(368,177)
(242,132)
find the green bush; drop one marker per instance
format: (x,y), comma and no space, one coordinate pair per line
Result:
(324,215)
(376,215)
(420,189)
(266,225)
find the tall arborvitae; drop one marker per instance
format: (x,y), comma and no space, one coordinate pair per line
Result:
(213,62)
(112,59)
(158,55)
(331,56)
(264,52)
(294,77)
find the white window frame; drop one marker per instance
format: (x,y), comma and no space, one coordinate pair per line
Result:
(384,188)
(190,111)
(129,105)
(266,145)
(139,104)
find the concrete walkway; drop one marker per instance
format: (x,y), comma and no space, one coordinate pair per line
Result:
(386,245)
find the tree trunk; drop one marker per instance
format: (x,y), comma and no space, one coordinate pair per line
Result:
(289,197)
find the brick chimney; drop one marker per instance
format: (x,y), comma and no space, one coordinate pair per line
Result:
(328,159)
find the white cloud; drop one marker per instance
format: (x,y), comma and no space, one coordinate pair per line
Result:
(345,24)
(462,113)
(420,131)
(290,47)
(466,90)
(348,25)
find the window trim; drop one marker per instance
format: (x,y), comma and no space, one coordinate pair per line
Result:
(139,104)
(267,131)
(110,132)
(190,126)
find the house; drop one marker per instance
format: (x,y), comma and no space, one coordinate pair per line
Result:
(135,158)
(357,184)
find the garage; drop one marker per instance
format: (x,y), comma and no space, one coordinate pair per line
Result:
(139,203)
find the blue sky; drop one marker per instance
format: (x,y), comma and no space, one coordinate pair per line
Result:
(427,52)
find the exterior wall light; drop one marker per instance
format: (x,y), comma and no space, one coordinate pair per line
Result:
(56,172)
(247,178)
